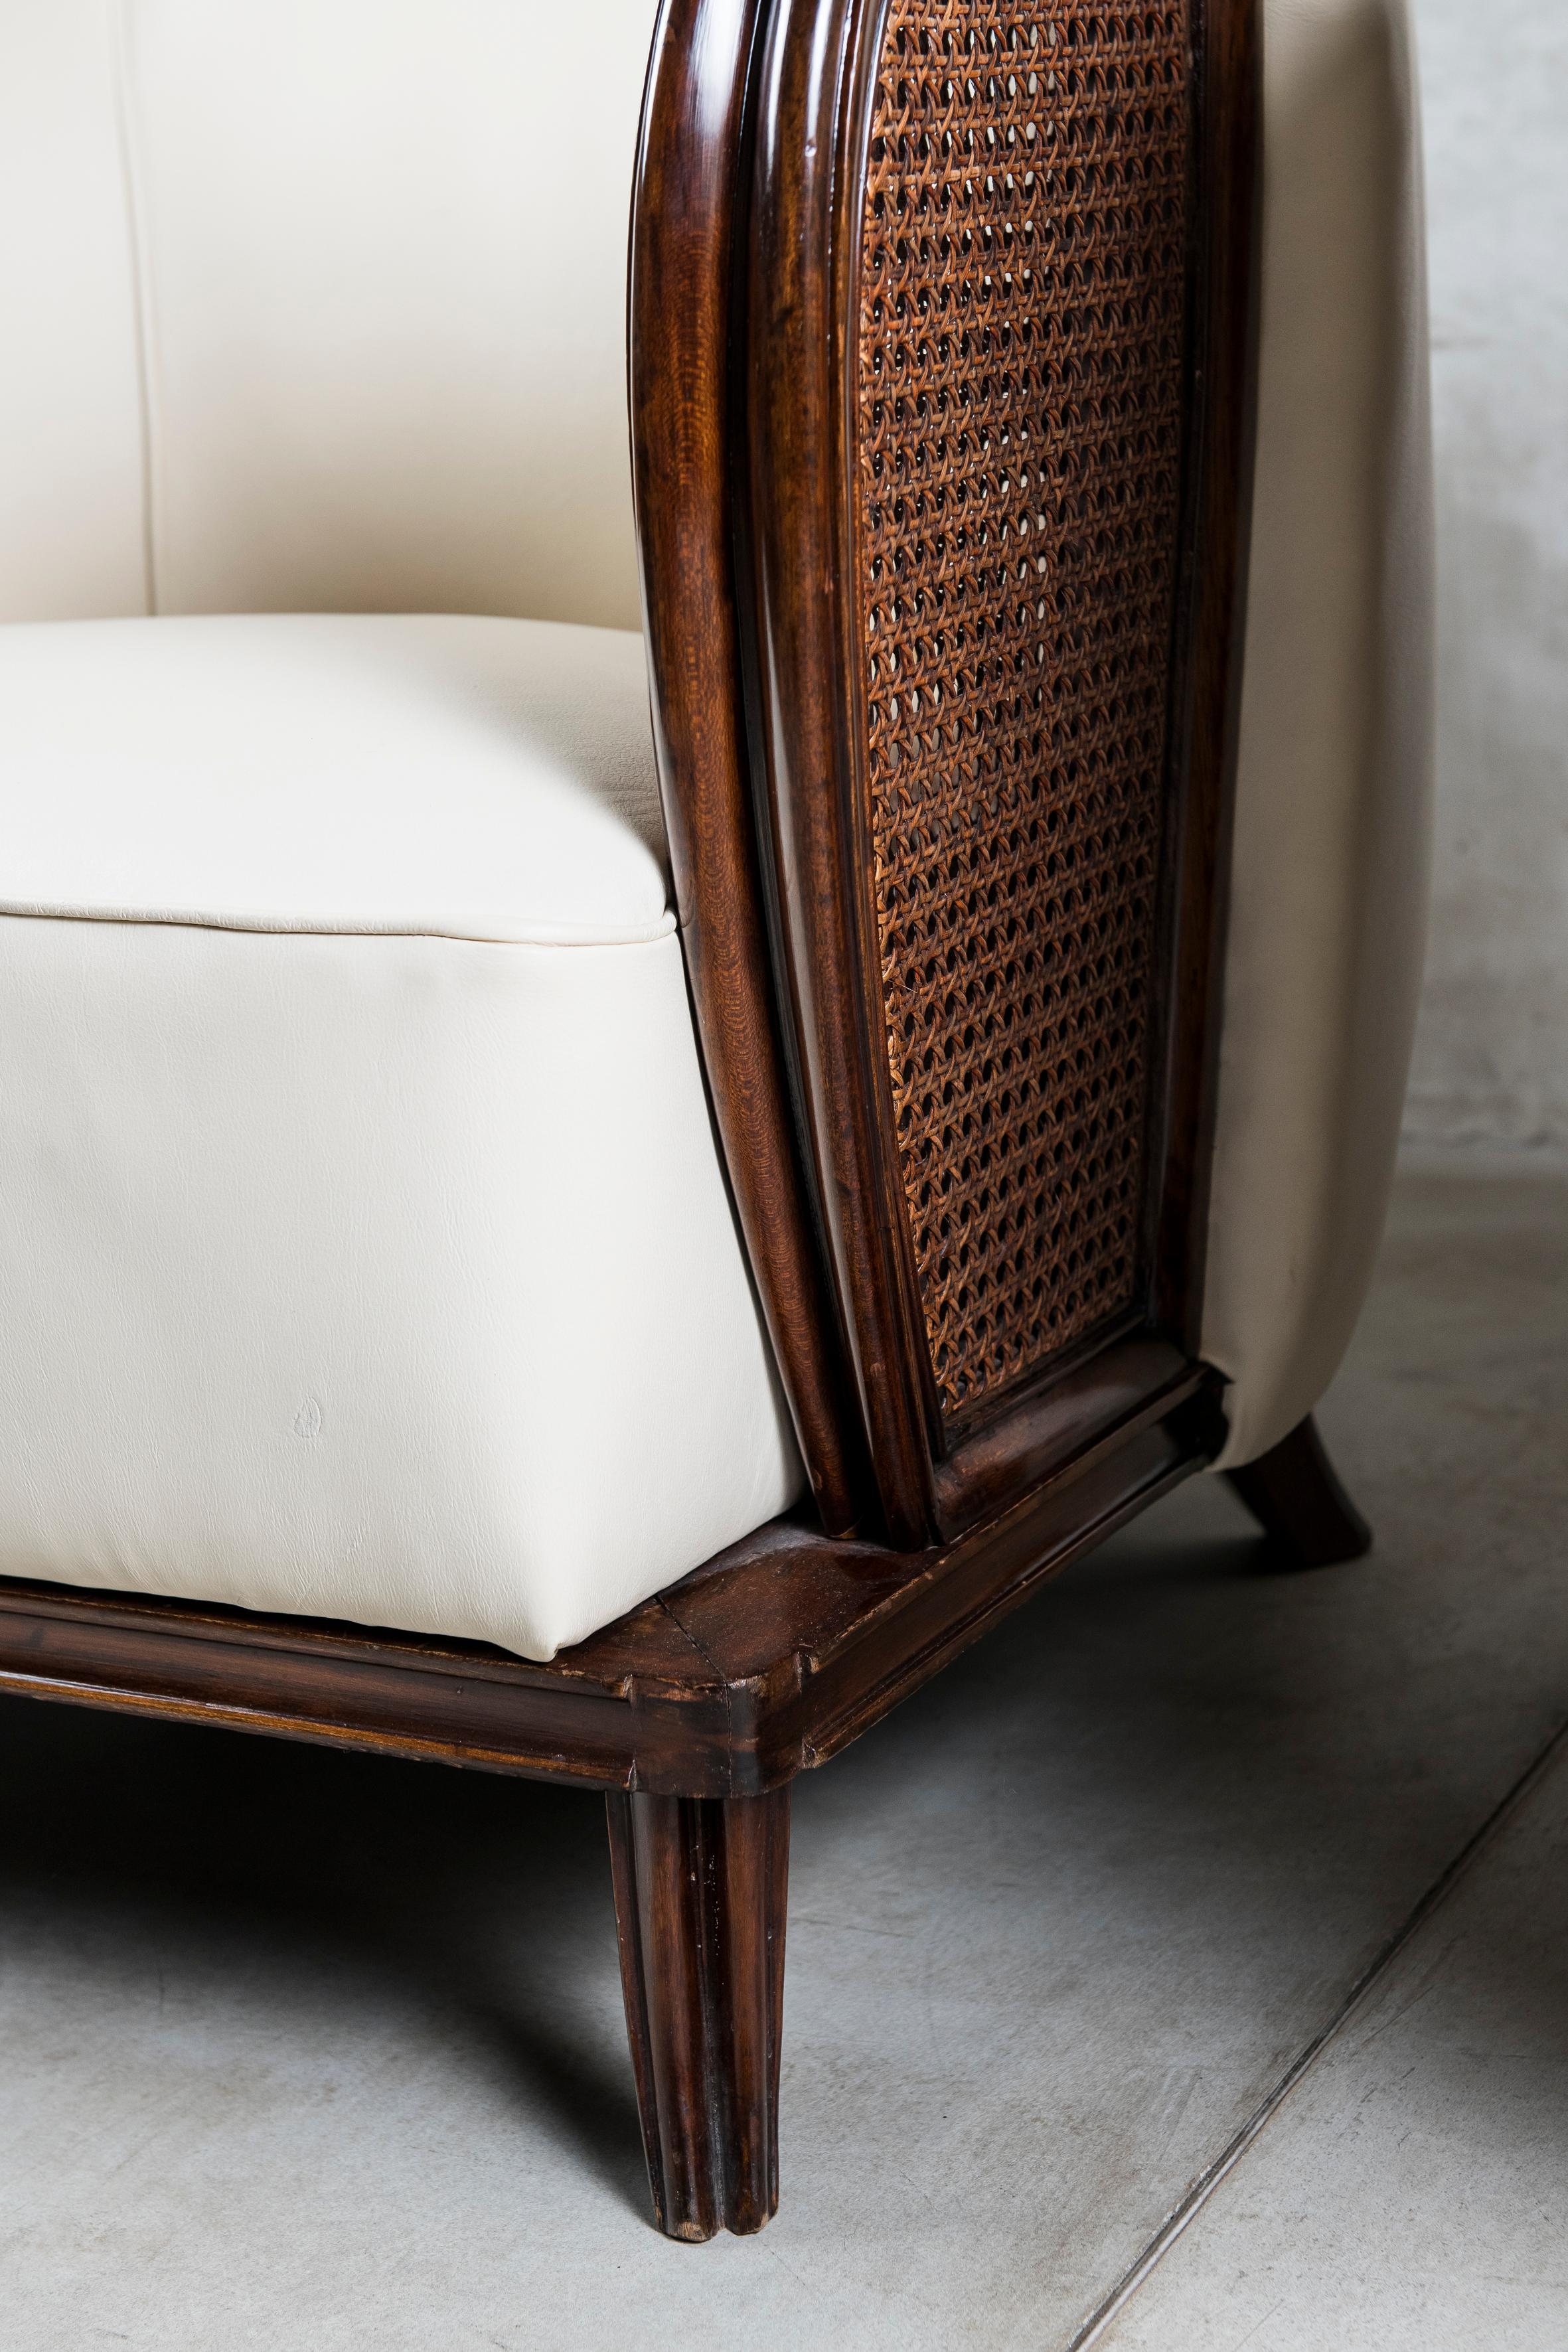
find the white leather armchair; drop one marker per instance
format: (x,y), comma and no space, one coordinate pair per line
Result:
(379,1242)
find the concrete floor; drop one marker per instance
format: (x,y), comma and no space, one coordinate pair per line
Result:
(309,2050)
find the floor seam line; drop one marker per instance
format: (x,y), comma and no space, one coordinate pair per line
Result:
(1091,2329)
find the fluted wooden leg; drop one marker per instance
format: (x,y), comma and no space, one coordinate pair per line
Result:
(702,1886)
(1295,1495)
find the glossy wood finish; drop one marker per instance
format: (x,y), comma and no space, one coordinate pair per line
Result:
(795,330)
(1211,625)
(1294,1492)
(636,1696)
(685,438)
(700,1894)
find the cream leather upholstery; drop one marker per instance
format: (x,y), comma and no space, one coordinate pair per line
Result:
(317,305)
(363,1248)
(1333,792)
(327,772)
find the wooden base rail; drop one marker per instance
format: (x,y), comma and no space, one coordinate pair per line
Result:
(766,1660)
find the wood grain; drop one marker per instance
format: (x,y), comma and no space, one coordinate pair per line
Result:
(1211,628)
(689,179)
(1294,1492)
(701,1890)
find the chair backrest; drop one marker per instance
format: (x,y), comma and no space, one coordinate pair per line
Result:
(317,305)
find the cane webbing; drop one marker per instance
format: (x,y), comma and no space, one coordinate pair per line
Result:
(1022,390)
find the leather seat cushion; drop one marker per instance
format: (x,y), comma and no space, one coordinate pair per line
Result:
(364,1249)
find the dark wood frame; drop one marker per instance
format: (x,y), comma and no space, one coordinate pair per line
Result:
(695,1711)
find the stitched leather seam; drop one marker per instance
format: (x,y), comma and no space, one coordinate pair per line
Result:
(141,315)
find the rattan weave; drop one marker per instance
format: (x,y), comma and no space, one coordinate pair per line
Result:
(1020,431)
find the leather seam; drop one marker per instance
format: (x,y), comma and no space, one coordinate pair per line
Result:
(142,323)
(325,930)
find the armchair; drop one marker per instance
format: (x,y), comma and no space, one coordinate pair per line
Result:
(608,1250)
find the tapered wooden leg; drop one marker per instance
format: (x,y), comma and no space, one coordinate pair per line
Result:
(702,1884)
(1295,1495)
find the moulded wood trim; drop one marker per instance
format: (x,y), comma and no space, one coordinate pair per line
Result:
(689,199)
(1206,697)
(1111,1383)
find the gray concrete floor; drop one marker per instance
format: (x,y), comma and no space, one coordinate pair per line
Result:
(305,2049)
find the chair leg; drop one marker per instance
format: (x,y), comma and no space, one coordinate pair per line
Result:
(1295,1495)
(702,1884)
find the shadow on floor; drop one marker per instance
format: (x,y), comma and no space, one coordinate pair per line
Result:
(470,1890)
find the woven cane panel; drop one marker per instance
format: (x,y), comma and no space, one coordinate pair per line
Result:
(1021,417)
